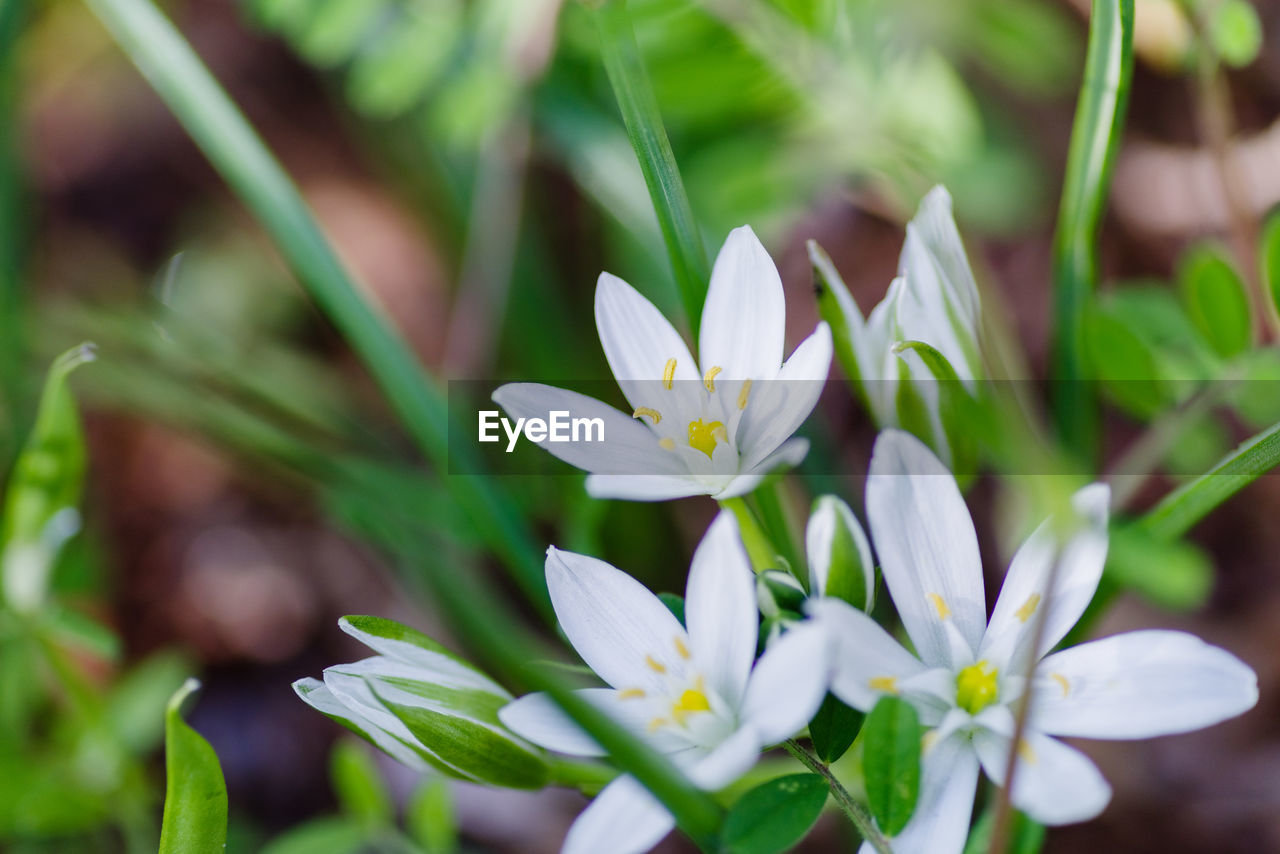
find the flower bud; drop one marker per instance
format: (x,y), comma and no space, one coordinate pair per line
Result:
(840,562)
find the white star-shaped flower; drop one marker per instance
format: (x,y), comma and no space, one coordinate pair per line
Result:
(716,426)
(967,675)
(697,694)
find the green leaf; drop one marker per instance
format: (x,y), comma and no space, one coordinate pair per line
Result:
(775,815)
(1236,32)
(1172,574)
(891,762)
(195,800)
(839,309)
(358,785)
(1216,300)
(675,604)
(1124,363)
(430,818)
(329,835)
(1269,262)
(834,728)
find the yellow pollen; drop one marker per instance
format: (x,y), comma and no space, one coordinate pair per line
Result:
(1028,607)
(1025,753)
(939,605)
(977,687)
(652,413)
(668,443)
(681,648)
(655,665)
(668,374)
(742,395)
(656,724)
(710,379)
(1062,683)
(690,702)
(703,436)
(631,694)
(887,684)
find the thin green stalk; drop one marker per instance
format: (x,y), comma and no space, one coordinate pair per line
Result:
(12,15)
(639,110)
(760,549)
(1191,502)
(240,156)
(770,501)
(1095,136)
(857,813)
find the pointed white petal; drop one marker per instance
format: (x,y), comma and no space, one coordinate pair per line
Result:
(638,342)
(927,546)
(776,408)
(317,695)
(629,446)
(720,609)
(643,487)
(732,758)
(745,312)
(1054,783)
(789,453)
(1139,685)
(876,360)
(623,819)
(1013,621)
(621,630)
(788,683)
(866,661)
(537,718)
(948,782)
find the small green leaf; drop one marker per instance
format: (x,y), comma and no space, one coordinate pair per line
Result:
(834,728)
(195,800)
(891,762)
(775,815)
(359,787)
(1216,300)
(1269,262)
(1124,364)
(675,604)
(328,835)
(777,591)
(430,818)
(1173,574)
(1236,32)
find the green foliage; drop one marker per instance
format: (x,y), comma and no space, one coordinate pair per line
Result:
(430,817)
(775,815)
(1269,260)
(834,728)
(356,782)
(1027,837)
(195,800)
(1172,574)
(1216,300)
(1236,32)
(892,738)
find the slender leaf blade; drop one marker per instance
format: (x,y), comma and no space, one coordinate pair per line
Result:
(195,801)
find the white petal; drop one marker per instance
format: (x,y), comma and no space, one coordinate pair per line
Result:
(638,342)
(948,782)
(1054,783)
(620,629)
(317,695)
(745,312)
(776,408)
(629,446)
(789,453)
(788,683)
(642,487)
(866,661)
(876,360)
(732,758)
(720,609)
(1013,621)
(927,546)
(1141,684)
(537,718)
(623,819)
(830,514)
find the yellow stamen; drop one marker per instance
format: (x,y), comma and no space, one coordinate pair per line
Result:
(1025,753)
(703,436)
(669,374)
(710,379)
(690,701)
(631,694)
(656,724)
(652,413)
(1028,607)
(939,605)
(977,687)
(742,395)
(667,444)
(655,665)
(1062,683)
(887,684)
(681,648)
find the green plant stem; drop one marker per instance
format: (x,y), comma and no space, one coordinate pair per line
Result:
(770,500)
(760,549)
(639,108)
(856,812)
(1095,136)
(12,15)
(242,159)
(587,777)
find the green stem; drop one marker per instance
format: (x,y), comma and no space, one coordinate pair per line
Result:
(856,812)
(12,15)
(587,777)
(760,549)
(771,502)
(640,113)
(1095,136)
(235,150)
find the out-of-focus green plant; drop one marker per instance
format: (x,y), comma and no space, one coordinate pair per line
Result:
(195,800)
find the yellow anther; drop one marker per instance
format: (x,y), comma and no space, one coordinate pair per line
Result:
(703,436)
(742,395)
(669,374)
(1028,607)
(667,443)
(652,413)
(631,694)
(1062,683)
(690,701)
(939,605)
(681,648)
(1025,753)
(656,724)
(655,665)
(710,379)
(977,687)
(887,684)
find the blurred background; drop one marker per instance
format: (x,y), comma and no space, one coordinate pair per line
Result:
(467,160)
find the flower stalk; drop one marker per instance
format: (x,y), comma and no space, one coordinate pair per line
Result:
(856,812)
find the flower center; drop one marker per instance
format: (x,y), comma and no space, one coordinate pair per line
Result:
(693,700)
(704,435)
(976,687)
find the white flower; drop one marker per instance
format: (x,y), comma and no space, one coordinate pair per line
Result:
(710,430)
(966,681)
(693,693)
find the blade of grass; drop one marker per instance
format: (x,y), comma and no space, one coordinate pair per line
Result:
(639,110)
(12,15)
(1095,137)
(240,156)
